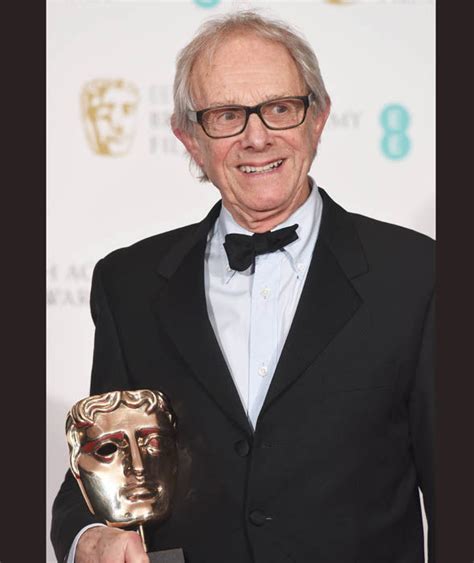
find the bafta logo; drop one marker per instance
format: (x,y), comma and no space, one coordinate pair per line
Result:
(109,110)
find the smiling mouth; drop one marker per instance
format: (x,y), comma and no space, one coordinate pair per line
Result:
(261,169)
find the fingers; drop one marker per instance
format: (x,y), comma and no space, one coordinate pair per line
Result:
(110,545)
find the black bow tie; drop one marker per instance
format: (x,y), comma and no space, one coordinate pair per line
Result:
(242,249)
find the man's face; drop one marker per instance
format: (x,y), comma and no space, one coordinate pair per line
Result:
(247,70)
(127,466)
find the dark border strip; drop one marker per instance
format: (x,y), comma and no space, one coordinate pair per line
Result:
(22,305)
(455,281)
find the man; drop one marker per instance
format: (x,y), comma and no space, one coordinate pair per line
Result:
(299,364)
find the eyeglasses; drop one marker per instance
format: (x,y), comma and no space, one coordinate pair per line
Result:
(227,121)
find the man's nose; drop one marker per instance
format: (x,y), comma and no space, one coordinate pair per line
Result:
(256,135)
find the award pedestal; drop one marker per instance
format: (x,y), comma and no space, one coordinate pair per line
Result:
(168,556)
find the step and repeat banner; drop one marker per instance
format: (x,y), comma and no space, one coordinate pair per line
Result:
(117,174)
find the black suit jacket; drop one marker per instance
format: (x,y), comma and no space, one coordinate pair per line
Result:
(344,438)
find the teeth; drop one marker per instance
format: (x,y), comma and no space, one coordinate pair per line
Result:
(260,169)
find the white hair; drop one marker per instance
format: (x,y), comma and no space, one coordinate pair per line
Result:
(216,30)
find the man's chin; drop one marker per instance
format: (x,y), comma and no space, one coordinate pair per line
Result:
(261,208)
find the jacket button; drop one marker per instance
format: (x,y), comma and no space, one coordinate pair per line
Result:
(242,448)
(258,518)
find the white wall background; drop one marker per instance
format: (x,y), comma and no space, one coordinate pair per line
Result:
(372,53)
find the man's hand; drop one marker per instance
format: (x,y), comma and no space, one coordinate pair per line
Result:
(110,545)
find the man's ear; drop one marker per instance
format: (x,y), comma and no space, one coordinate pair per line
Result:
(323,116)
(189,141)
(319,122)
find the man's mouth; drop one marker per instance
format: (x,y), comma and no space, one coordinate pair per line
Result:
(260,169)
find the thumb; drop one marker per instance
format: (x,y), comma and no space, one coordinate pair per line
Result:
(134,552)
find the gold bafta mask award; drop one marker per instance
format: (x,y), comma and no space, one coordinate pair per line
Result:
(109,112)
(123,454)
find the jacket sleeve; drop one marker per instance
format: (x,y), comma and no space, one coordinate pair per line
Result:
(70,513)
(422,405)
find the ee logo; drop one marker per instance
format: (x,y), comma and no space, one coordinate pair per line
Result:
(207,3)
(395,143)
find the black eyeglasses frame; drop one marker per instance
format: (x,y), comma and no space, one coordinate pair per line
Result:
(197,116)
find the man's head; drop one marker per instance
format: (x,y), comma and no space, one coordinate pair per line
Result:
(109,110)
(123,455)
(244,59)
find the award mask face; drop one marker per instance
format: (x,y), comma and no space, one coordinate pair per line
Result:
(123,455)
(109,111)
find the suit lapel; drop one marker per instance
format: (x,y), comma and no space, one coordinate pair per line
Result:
(328,299)
(182,312)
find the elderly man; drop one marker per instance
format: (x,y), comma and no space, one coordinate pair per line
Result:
(293,338)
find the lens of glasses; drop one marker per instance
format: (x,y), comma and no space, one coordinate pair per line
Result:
(276,114)
(224,121)
(281,114)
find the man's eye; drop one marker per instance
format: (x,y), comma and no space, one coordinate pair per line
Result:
(227,116)
(106,450)
(280,108)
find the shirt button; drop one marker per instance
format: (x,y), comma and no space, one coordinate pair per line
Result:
(265,292)
(258,518)
(262,370)
(300,267)
(242,448)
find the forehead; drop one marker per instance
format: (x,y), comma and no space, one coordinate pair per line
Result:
(245,69)
(124,419)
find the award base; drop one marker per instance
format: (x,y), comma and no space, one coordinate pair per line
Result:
(168,556)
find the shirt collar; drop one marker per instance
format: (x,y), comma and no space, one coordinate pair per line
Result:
(299,252)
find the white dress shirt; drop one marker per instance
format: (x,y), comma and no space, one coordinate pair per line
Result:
(251,311)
